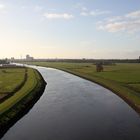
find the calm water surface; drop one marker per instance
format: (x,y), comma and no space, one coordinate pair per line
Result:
(72,108)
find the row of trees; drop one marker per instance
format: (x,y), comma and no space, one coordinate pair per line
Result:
(4,61)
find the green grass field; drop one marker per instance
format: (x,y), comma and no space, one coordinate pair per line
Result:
(10,78)
(16,76)
(122,79)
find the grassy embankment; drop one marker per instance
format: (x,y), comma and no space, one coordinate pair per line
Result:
(122,79)
(25,86)
(11,79)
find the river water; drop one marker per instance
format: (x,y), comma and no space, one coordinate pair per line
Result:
(72,108)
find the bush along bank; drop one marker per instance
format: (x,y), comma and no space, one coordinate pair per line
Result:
(11,116)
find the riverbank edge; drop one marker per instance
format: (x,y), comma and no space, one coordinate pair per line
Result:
(127,100)
(23,107)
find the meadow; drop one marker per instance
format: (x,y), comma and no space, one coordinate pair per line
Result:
(21,92)
(11,80)
(122,78)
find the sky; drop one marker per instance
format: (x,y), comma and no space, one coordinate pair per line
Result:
(92,29)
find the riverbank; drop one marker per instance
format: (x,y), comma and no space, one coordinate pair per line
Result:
(12,109)
(122,79)
(12,79)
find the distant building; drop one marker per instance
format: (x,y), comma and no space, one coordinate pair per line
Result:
(29,58)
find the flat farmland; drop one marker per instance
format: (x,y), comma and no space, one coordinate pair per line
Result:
(10,80)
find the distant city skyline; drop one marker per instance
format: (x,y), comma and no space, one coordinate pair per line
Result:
(70,29)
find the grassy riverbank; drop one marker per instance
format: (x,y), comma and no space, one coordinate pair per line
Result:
(20,102)
(122,79)
(11,80)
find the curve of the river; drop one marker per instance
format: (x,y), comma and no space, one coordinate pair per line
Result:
(72,108)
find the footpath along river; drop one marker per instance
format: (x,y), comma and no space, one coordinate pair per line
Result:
(72,108)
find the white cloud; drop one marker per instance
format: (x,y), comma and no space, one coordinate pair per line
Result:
(93,12)
(129,23)
(58,16)
(133,15)
(98,12)
(116,26)
(84,11)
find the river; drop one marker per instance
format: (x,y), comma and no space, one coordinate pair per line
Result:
(72,108)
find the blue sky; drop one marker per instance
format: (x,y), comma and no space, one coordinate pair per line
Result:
(70,28)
